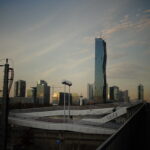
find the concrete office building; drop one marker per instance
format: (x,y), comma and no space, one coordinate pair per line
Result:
(100,90)
(20,88)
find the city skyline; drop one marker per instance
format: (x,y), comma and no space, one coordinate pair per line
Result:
(54,40)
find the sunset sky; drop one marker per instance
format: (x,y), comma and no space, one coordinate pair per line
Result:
(54,40)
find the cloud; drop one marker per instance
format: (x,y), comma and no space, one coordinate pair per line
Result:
(49,71)
(147,52)
(143,23)
(38,25)
(51,47)
(88,39)
(77,75)
(65,68)
(79,61)
(78,52)
(126,70)
(147,11)
(133,43)
(117,55)
(125,24)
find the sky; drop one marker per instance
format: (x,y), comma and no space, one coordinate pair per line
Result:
(54,40)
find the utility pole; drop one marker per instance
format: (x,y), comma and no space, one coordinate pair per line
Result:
(7,83)
(64,102)
(69,98)
(4,121)
(65,82)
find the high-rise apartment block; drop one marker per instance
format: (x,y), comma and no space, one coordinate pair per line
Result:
(42,93)
(100,91)
(123,96)
(114,93)
(141,92)
(31,93)
(90,91)
(20,88)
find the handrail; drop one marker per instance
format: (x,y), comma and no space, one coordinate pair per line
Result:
(112,137)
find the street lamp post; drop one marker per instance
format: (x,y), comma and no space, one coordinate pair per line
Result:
(65,82)
(64,101)
(69,99)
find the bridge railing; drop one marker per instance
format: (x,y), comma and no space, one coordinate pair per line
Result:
(128,137)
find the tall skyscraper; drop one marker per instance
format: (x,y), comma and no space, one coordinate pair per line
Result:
(20,88)
(90,91)
(114,93)
(141,92)
(42,93)
(100,92)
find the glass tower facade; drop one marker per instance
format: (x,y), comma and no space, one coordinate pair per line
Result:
(100,71)
(42,93)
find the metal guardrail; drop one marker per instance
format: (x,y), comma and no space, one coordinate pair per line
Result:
(129,136)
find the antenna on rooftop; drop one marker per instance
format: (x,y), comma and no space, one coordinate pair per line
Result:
(102,35)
